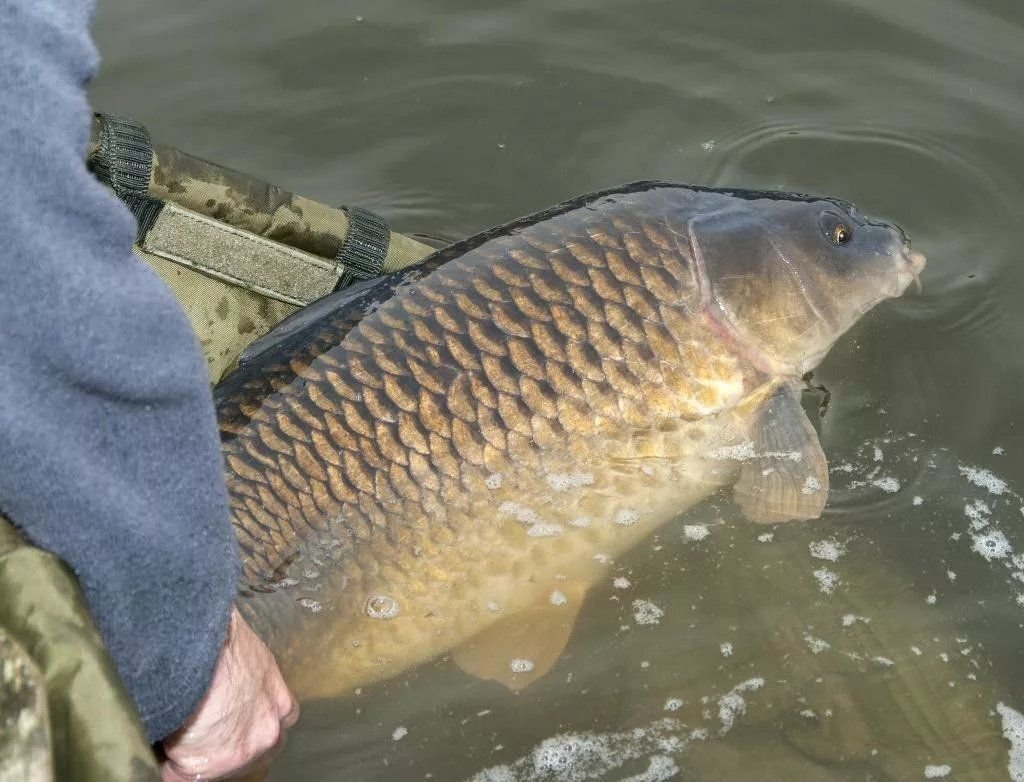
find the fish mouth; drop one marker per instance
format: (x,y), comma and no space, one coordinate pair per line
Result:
(914,263)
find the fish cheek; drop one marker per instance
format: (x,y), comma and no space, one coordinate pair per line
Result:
(754,284)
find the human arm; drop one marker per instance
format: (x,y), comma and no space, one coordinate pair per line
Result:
(109,455)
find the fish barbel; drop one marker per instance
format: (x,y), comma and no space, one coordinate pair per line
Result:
(442,460)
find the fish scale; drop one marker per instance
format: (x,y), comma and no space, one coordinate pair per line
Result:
(545,394)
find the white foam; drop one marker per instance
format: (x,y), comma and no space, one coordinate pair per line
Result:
(659,769)
(626,517)
(887,484)
(577,757)
(918,500)
(733,705)
(580,522)
(493,481)
(998,451)
(726,649)
(827,580)
(816,645)
(992,545)
(1013,731)
(558,598)
(520,513)
(878,454)
(937,772)
(521,665)
(695,532)
(621,583)
(673,704)
(570,480)
(766,537)
(311,605)
(831,550)
(646,613)
(811,485)
(984,478)
(850,619)
(399,733)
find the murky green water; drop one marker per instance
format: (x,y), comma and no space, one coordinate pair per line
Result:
(876,643)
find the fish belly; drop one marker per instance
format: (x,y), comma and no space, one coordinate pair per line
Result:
(525,538)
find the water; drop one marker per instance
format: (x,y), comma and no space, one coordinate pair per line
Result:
(893,656)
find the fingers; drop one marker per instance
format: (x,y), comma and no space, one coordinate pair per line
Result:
(243,715)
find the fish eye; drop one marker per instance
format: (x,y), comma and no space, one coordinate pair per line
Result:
(836,230)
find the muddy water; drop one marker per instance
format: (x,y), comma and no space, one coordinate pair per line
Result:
(882,642)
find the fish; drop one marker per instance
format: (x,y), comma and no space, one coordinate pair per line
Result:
(441,461)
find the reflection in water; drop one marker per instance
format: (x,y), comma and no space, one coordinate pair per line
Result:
(897,654)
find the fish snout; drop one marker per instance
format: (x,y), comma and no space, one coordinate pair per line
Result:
(912,266)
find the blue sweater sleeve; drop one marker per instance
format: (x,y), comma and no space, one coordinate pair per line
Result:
(109,454)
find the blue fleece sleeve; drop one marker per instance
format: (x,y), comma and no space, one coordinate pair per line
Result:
(109,454)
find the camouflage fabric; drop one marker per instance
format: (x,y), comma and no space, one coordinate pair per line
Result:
(239,253)
(59,688)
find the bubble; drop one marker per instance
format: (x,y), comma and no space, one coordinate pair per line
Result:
(493,481)
(381,607)
(521,665)
(937,772)
(558,598)
(311,605)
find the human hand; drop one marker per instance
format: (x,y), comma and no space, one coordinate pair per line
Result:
(243,714)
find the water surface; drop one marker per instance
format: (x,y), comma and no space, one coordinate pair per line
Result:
(883,641)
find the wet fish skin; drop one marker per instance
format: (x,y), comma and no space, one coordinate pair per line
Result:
(402,479)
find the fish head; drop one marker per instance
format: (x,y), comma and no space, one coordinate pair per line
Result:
(787,275)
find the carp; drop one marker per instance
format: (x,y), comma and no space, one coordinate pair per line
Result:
(439,461)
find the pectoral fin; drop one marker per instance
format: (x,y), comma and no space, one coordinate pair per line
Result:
(518,650)
(787,478)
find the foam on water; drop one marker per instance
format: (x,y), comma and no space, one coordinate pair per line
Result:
(695,532)
(733,704)
(984,478)
(831,550)
(827,580)
(577,757)
(646,613)
(937,772)
(1013,731)
(659,769)
(816,645)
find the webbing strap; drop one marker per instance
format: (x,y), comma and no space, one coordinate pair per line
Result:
(124,161)
(365,247)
